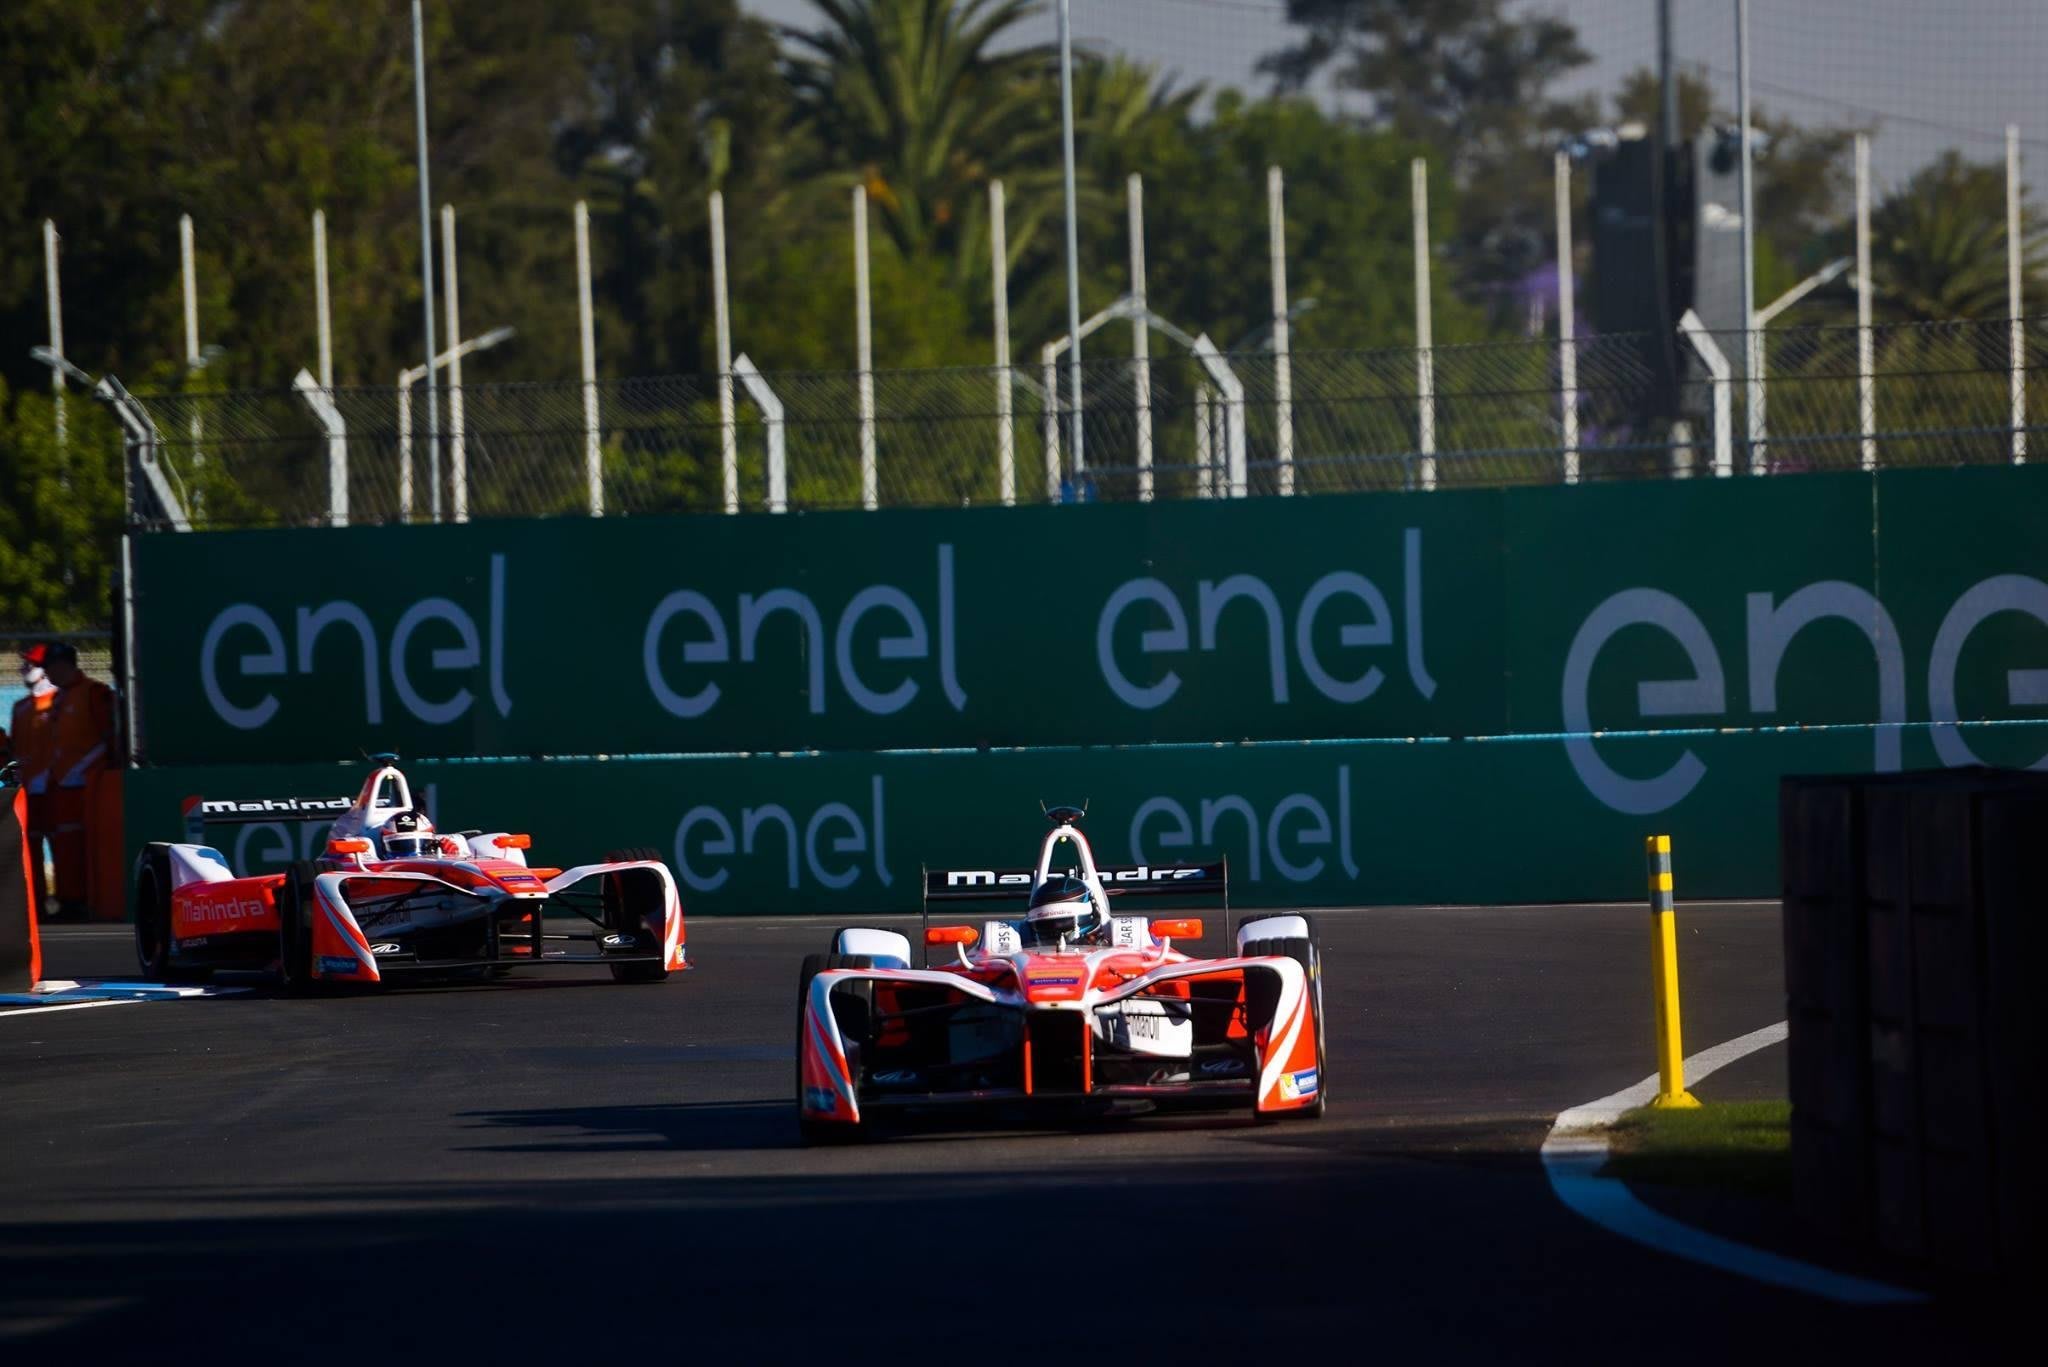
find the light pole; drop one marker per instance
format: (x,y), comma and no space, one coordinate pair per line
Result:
(419,104)
(1752,344)
(409,377)
(1073,237)
(1759,460)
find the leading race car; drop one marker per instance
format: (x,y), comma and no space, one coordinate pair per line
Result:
(390,895)
(1070,1002)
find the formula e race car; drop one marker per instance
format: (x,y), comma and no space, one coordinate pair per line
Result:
(390,895)
(1071,1002)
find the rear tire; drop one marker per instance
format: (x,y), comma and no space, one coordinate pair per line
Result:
(153,919)
(615,920)
(1304,952)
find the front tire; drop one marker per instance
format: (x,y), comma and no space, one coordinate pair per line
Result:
(1304,952)
(295,927)
(616,919)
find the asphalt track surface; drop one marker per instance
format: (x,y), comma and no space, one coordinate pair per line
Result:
(566,1169)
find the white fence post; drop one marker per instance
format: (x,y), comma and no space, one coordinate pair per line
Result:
(770,405)
(1283,360)
(586,326)
(195,429)
(1866,361)
(1425,358)
(1052,424)
(1717,366)
(458,455)
(404,450)
(862,325)
(322,404)
(1567,322)
(2018,334)
(53,291)
(323,314)
(999,266)
(721,315)
(1141,337)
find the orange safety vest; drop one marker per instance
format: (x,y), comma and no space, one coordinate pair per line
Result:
(34,728)
(83,737)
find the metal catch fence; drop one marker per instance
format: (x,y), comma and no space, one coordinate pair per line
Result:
(1185,426)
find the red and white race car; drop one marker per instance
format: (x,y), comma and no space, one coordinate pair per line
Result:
(1069,1002)
(390,895)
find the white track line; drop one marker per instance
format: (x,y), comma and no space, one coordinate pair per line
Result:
(1576,1150)
(71,1006)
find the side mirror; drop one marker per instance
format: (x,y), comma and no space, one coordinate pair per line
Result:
(348,847)
(515,842)
(1182,928)
(951,935)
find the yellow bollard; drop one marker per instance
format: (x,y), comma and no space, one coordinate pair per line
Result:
(1671,1093)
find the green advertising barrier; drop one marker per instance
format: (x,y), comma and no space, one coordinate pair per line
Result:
(1843,599)
(1302,824)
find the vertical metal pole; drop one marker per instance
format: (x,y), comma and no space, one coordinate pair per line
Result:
(1073,235)
(458,458)
(1866,378)
(323,318)
(404,447)
(53,291)
(865,343)
(1667,82)
(1750,341)
(1425,359)
(419,100)
(194,428)
(1671,1093)
(1052,425)
(1205,444)
(2018,334)
(999,266)
(586,326)
(1567,322)
(1283,360)
(721,317)
(1141,335)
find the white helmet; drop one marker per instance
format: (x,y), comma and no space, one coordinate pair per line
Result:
(408,835)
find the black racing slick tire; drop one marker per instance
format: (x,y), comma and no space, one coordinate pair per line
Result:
(153,918)
(1304,952)
(616,919)
(295,927)
(826,1132)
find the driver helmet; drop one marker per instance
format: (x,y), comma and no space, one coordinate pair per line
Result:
(1062,907)
(409,835)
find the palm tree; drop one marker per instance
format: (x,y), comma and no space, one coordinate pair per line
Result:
(925,102)
(1938,245)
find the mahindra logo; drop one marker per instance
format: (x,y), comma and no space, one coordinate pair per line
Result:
(228,909)
(282,807)
(985,878)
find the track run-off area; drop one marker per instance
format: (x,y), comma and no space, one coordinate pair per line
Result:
(549,1166)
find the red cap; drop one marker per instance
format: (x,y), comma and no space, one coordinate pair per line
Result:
(33,655)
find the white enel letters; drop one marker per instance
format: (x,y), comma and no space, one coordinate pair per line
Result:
(826,846)
(1703,695)
(1297,823)
(1772,629)
(310,624)
(2023,687)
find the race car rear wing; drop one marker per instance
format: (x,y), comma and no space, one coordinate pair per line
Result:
(1118,880)
(201,812)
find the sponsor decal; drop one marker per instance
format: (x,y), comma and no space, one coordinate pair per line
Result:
(331,964)
(1294,1086)
(1223,1067)
(386,947)
(1142,1027)
(203,906)
(896,1077)
(1062,981)
(273,808)
(819,1099)
(193,942)
(615,940)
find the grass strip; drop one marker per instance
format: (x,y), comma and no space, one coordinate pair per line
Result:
(1743,1146)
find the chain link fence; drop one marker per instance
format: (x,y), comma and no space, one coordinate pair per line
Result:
(1185,426)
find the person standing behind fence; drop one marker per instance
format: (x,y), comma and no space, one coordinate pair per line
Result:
(32,730)
(84,741)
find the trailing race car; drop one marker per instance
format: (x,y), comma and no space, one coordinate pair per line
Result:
(391,895)
(1070,1002)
